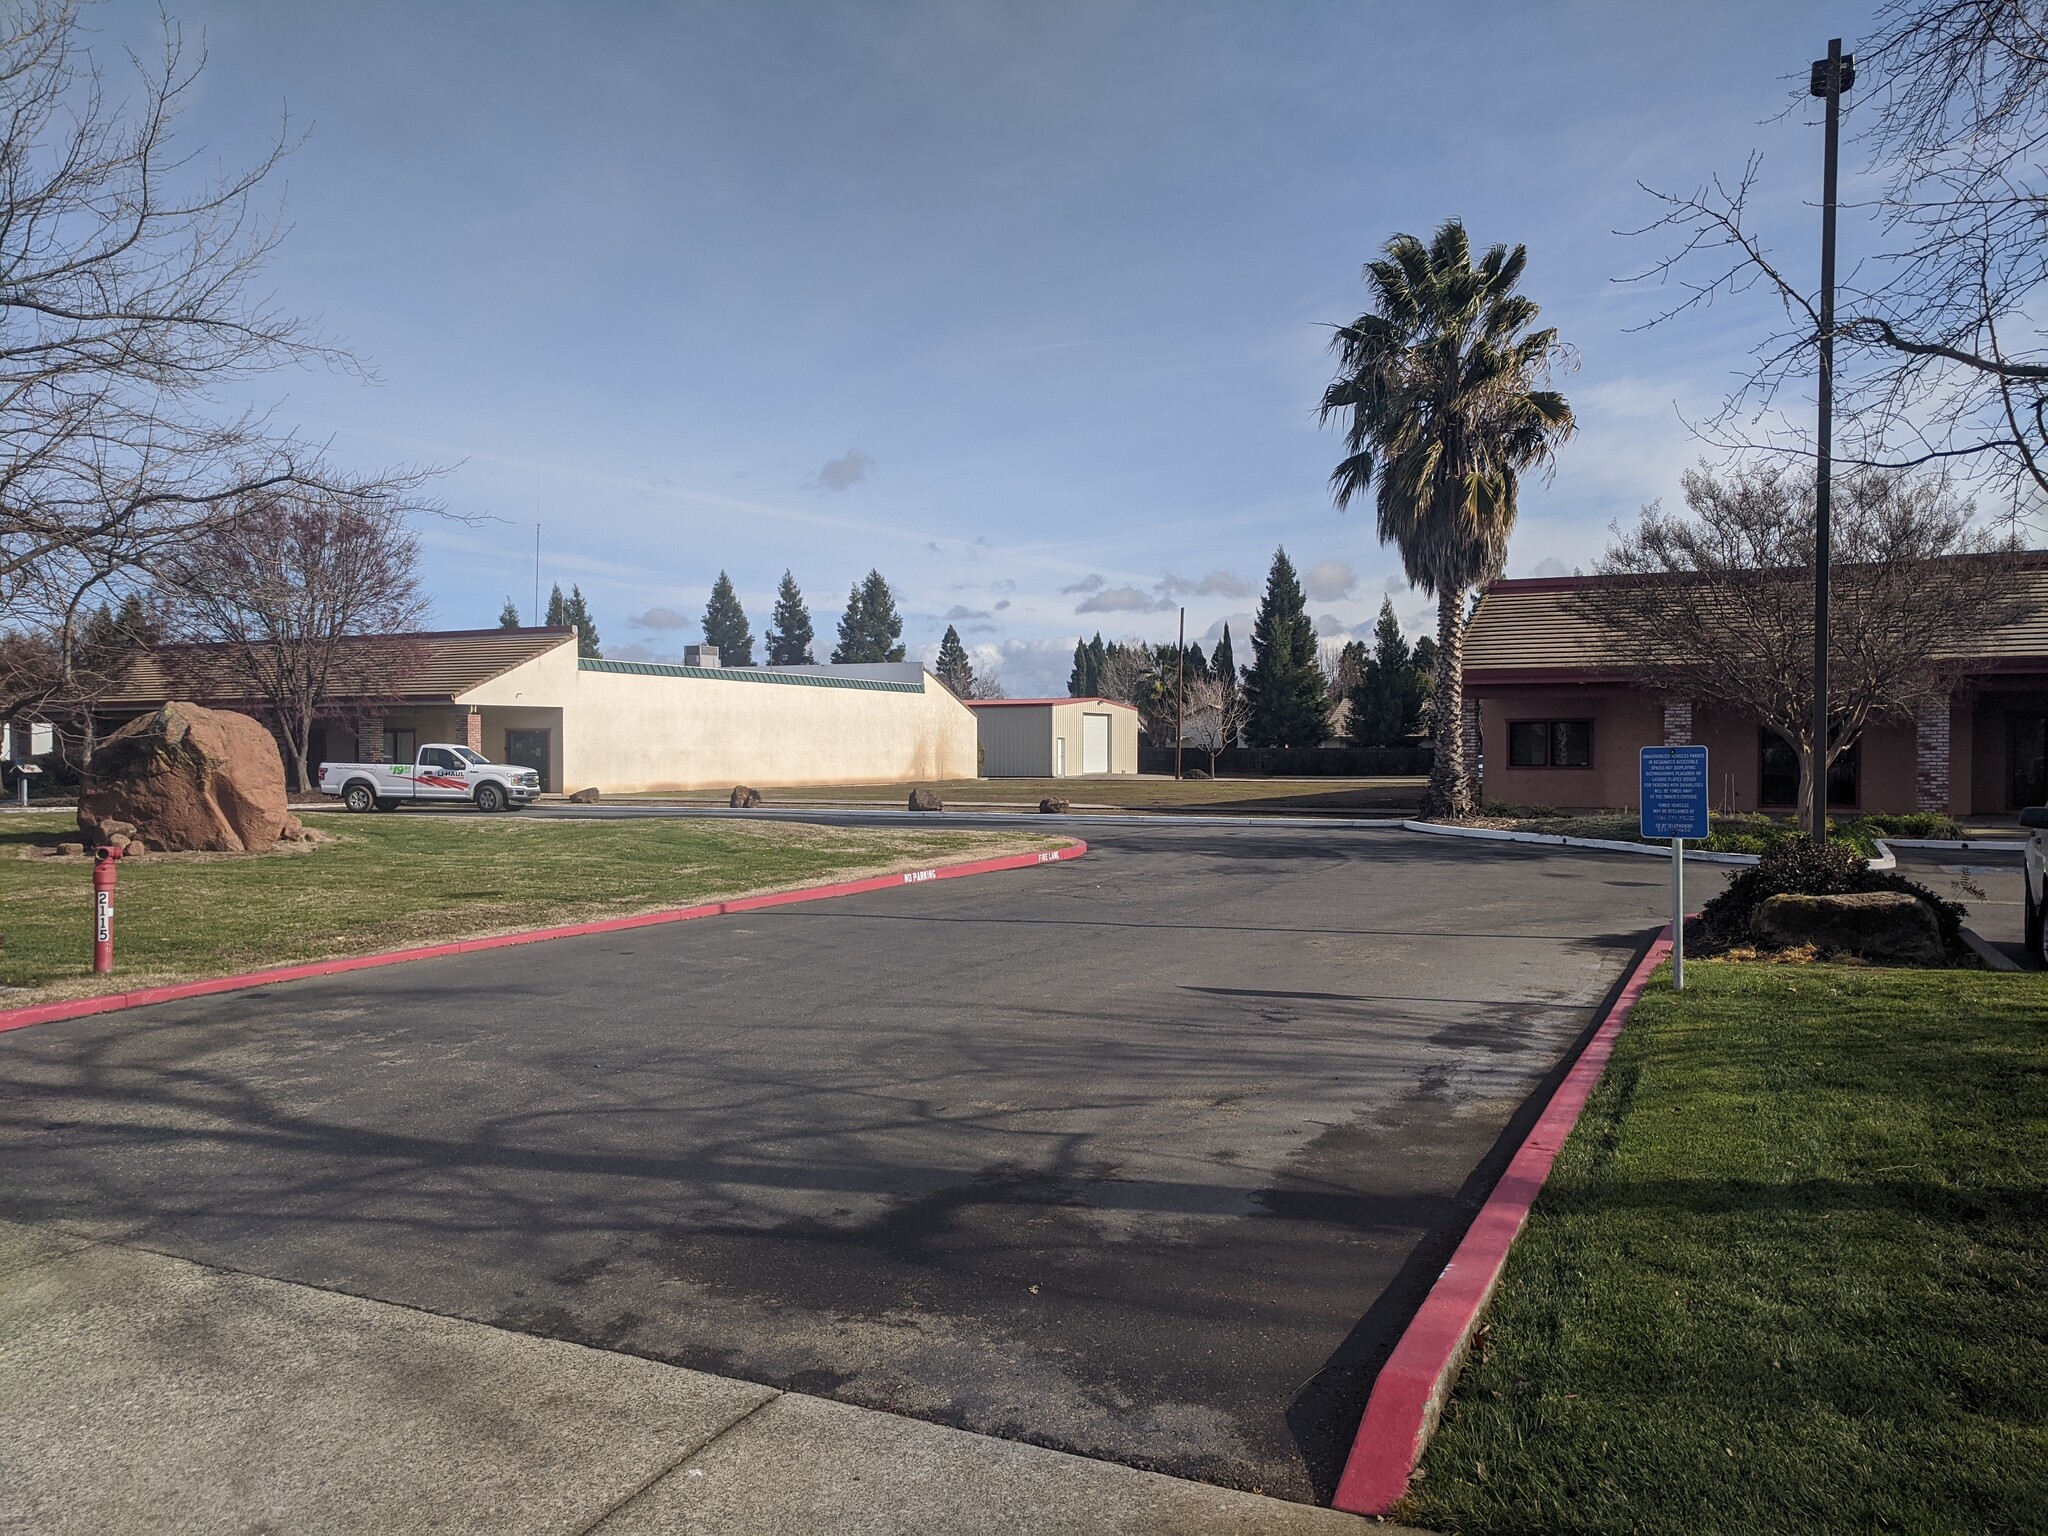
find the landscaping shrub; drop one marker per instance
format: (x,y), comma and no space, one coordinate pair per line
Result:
(1795,866)
(1908,824)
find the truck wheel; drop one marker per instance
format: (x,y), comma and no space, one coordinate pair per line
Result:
(358,798)
(387,804)
(489,798)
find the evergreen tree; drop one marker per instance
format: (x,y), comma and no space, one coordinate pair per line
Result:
(1224,662)
(725,625)
(1386,699)
(871,629)
(1198,664)
(789,635)
(1090,657)
(508,616)
(1287,701)
(572,612)
(954,669)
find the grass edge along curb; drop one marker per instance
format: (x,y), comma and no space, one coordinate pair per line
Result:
(1409,1392)
(114,1002)
(1883,860)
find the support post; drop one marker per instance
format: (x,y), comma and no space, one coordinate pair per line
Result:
(1678,914)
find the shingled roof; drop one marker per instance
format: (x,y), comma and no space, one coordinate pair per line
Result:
(1532,630)
(449,662)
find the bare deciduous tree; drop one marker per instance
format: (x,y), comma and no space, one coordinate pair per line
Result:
(1941,353)
(1716,604)
(283,595)
(1215,717)
(129,291)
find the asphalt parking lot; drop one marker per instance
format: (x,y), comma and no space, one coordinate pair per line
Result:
(1146,1156)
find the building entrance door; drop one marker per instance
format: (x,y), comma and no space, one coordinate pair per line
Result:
(530,749)
(2029,761)
(1095,743)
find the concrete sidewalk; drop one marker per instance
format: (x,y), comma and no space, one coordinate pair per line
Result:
(152,1394)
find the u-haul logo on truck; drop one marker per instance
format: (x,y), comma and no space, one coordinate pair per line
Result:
(920,874)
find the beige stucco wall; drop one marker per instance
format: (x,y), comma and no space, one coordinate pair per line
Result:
(624,731)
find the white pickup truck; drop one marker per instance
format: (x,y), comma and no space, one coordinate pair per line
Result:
(442,772)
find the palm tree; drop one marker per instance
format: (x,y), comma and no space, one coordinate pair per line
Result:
(1439,381)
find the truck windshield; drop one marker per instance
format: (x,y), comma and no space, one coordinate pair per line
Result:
(473,757)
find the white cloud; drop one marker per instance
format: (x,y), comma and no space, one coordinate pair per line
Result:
(1556,567)
(1328,581)
(1090,583)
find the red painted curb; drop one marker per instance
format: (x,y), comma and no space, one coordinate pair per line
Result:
(113,1002)
(1409,1392)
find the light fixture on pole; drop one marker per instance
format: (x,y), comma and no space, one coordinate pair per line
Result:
(1830,77)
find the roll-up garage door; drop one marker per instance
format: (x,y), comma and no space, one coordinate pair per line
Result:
(1095,743)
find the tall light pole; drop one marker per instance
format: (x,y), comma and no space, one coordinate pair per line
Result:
(1831,76)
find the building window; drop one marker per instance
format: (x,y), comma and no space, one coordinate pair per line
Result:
(1778,777)
(1550,744)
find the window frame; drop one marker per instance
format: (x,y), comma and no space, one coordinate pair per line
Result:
(1549,730)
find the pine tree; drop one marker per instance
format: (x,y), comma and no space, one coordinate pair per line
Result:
(508,616)
(1287,699)
(725,625)
(1098,663)
(871,629)
(558,608)
(1198,664)
(789,635)
(576,612)
(1077,680)
(1224,662)
(1386,700)
(954,669)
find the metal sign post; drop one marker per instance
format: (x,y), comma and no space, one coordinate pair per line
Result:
(1674,801)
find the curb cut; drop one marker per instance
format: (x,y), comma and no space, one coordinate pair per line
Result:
(1408,1394)
(114,1002)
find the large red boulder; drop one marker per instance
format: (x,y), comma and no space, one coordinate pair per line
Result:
(188,779)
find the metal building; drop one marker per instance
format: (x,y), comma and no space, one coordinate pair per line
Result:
(1055,738)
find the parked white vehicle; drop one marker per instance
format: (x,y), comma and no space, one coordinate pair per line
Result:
(441,772)
(2035,877)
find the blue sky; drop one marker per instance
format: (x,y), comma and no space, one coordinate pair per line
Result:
(1023,304)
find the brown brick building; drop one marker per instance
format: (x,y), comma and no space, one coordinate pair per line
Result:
(1554,719)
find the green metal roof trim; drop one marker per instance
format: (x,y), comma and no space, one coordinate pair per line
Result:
(744,675)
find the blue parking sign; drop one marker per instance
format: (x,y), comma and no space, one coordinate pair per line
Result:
(1674,795)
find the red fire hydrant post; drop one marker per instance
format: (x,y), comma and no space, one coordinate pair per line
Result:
(104,860)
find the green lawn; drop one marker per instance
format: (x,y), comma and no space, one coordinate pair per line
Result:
(1790,1274)
(409,878)
(1378,797)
